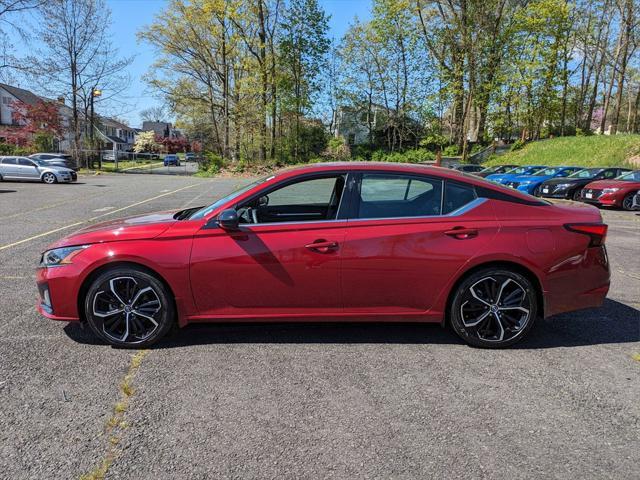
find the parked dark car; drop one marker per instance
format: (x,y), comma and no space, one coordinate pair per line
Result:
(190,157)
(57,159)
(171,160)
(468,168)
(571,186)
(495,169)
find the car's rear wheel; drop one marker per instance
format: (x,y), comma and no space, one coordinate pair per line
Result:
(627,201)
(494,308)
(49,178)
(128,307)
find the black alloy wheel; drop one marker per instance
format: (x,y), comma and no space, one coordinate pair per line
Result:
(627,201)
(493,308)
(129,308)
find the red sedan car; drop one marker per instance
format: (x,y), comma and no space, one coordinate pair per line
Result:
(618,192)
(339,242)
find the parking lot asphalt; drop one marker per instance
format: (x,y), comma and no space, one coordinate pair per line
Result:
(304,401)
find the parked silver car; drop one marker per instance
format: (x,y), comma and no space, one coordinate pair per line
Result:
(57,159)
(23,168)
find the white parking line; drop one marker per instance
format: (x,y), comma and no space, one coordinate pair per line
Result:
(44,234)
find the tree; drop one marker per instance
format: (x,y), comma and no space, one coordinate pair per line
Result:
(146,142)
(303,49)
(76,56)
(39,123)
(156,113)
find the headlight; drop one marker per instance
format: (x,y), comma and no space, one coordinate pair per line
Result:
(60,256)
(610,190)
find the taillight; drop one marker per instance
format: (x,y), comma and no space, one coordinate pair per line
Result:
(597,232)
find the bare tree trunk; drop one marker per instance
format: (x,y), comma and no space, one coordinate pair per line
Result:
(262,35)
(607,97)
(626,20)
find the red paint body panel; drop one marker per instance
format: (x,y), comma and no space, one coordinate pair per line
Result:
(613,199)
(389,269)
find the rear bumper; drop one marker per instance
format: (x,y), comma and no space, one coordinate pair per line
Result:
(582,283)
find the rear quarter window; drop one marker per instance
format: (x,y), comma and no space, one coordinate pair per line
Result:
(457,195)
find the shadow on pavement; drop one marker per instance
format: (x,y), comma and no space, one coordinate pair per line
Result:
(8,191)
(614,322)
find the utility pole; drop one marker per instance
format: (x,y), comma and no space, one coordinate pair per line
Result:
(94,93)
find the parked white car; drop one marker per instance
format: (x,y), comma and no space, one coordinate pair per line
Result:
(23,168)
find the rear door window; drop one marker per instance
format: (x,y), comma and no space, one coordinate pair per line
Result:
(391,196)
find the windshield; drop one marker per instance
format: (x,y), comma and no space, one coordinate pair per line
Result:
(203,212)
(39,162)
(548,171)
(630,177)
(490,170)
(586,173)
(517,170)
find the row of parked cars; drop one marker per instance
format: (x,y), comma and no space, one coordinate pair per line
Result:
(609,186)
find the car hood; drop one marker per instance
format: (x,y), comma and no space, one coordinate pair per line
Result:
(600,184)
(558,181)
(142,227)
(56,168)
(525,178)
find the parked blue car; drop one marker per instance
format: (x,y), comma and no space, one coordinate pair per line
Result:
(511,174)
(530,183)
(171,160)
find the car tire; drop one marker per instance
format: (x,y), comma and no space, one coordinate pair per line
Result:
(49,178)
(627,201)
(576,195)
(128,307)
(493,308)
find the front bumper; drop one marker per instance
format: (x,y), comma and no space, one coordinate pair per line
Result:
(58,289)
(67,178)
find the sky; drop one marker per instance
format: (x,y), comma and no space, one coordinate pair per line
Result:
(129,16)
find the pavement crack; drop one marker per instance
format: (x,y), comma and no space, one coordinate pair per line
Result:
(116,426)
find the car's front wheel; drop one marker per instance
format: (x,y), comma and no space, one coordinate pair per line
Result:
(49,178)
(577,195)
(128,307)
(627,202)
(493,308)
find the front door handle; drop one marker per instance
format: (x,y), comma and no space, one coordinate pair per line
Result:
(322,246)
(462,233)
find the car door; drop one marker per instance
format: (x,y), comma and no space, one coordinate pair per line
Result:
(8,167)
(27,170)
(411,234)
(284,258)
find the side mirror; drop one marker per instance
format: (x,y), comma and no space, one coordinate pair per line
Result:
(228,219)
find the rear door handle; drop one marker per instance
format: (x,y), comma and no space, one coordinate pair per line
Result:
(462,233)
(322,246)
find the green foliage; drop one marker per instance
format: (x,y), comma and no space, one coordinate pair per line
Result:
(419,155)
(451,151)
(434,141)
(337,149)
(588,151)
(6,148)
(42,142)
(517,145)
(211,165)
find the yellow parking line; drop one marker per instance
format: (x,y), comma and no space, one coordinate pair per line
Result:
(44,234)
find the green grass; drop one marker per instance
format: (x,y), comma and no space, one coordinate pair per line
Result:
(591,151)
